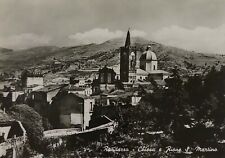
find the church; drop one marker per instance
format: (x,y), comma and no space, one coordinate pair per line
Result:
(138,66)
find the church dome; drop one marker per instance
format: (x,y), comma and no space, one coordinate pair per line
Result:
(148,55)
(132,54)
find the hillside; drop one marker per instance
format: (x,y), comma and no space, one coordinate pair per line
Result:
(101,54)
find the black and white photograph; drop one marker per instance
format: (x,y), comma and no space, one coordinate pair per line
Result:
(112,78)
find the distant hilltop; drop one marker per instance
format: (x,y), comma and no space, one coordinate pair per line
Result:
(104,53)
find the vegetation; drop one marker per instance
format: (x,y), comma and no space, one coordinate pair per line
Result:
(189,113)
(198,101)
(32,122)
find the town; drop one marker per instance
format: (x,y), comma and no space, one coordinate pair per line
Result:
(134,102)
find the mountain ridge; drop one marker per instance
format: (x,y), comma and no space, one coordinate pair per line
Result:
(106,52)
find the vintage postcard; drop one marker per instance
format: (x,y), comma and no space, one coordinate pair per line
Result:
(112,78)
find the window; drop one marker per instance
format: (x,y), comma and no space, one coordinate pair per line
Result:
(153,67)
(102,78)
(91,107)
(109,78)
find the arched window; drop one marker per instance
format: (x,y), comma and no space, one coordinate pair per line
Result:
(109,78)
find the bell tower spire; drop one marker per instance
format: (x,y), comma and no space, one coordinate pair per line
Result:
(127,43)
(124,59)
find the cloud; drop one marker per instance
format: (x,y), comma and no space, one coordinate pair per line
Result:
(138,33)
(24,40)
(204,39)
(99,35)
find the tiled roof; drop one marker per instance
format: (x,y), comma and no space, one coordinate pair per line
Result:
(74,88)
(50,88)
(158,72)
(141,72)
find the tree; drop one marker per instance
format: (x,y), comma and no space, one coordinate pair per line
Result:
(119,85)
(173,94)
(194,88)
(154,83)
(31,121)
(214,89)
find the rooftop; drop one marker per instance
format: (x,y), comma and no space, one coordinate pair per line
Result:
(74,88)
(148,55)
(158,72)
(141,72)
(106,69)
(82,96)
(50,88)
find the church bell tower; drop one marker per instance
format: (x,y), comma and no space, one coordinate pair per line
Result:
(124,59)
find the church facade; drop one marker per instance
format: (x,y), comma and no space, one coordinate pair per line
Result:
(105,82)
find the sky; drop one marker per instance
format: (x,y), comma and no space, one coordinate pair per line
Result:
(197,25)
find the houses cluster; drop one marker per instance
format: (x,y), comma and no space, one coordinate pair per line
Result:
(71,104)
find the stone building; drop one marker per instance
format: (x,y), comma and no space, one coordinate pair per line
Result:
(41,99)
(72,110)
(105,82)
(12,138)
(30,79)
